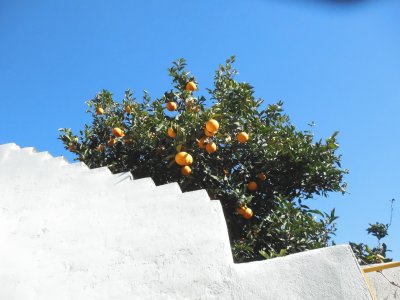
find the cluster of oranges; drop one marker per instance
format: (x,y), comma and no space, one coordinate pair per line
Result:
(183,158)
(172,105)
(252,185)
(210,129)
(100,110)
(116,132)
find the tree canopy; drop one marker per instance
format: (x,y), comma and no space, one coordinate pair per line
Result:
(246,154)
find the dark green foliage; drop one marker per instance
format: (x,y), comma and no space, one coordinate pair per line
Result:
(367,255)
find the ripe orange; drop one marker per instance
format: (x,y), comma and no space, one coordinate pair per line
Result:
(261,176)
(242,137)
(171,106)
(211,148)
(201,143)
(183,159)
(246,212)
(99,111)
(252,186)
(128,109)
(111,142)
(209,133)
(212,125)
(186,170)
(118,132)
(191,86)
(171,132)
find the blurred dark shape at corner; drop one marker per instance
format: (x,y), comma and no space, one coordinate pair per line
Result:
(344,1)
(328,2)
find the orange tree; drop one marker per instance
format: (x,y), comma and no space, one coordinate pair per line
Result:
(248,156)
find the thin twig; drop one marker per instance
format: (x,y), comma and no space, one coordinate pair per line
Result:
(391,212)
(391,282)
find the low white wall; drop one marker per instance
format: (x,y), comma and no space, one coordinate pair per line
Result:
(71,233)
(382,286)
(328,273)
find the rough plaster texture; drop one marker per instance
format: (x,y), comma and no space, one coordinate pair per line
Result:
(382,287)
(67,232)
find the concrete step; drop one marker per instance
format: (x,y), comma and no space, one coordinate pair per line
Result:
(5,149)
(92,196)
(194,225)
(80,166)
(63,219)
(28,159)
(32,167)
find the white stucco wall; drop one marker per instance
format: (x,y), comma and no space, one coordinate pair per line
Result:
(67,232)
(382,286)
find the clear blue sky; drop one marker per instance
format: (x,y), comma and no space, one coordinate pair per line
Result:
(332,62)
